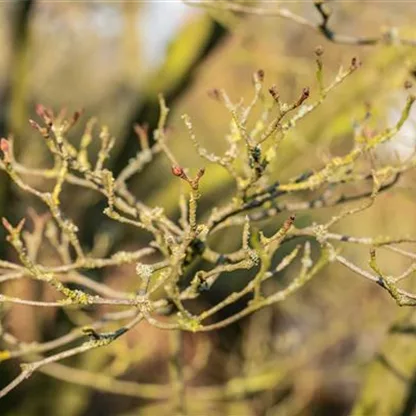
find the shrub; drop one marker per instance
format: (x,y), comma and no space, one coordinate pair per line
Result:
(171,280)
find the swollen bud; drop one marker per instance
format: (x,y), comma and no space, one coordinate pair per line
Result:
(274,93)
(303,97)
(76,116)
(200,173)
(259,76)
(5,148)
(355,63)
(319,50)
(178,171)
(4,145)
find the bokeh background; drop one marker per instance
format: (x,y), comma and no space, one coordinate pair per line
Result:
(111,58)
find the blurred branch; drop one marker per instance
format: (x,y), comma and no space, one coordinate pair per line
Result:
(323,27)
(389,37)
(96,342)
(389,386)
(176,367)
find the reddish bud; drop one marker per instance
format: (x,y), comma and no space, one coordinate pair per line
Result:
(303,97)
(75,117)
(141,128)
(4,146)
(7,225)
(40,110)
(10,227)
(288,223)
(45,114)
(141,131)
(178,171)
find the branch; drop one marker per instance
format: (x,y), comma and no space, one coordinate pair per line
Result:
(388,38)
(29,369)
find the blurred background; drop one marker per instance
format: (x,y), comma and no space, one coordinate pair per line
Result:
(313,353)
